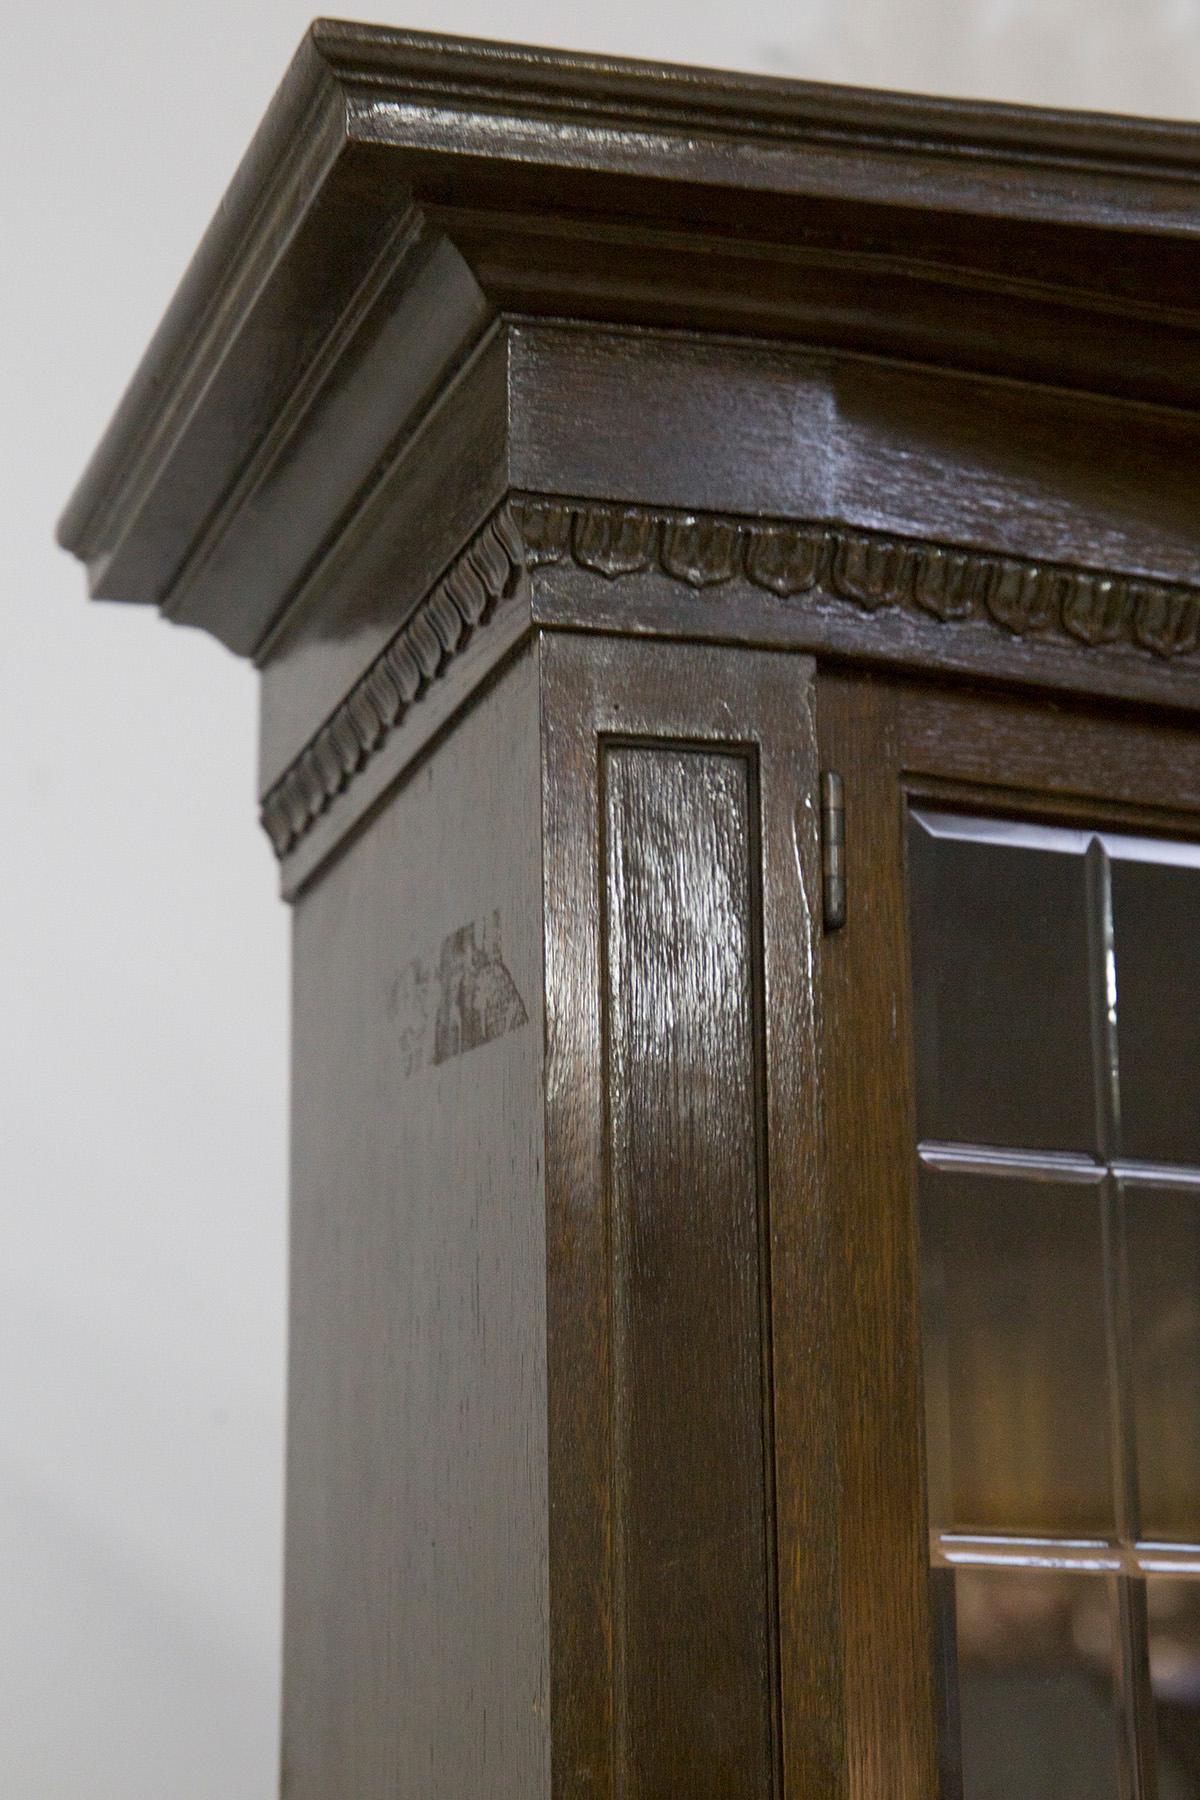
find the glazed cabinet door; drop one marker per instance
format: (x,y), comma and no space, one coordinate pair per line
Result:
(1039,895)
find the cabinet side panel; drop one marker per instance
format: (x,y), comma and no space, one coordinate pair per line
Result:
(416,1609)
(693,1708)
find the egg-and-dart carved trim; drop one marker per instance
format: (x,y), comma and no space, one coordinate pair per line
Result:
(1020,596)
(1023,597)
(484,574)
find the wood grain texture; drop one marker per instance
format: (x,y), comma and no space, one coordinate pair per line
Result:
(675,419)
(693,1544)
(459,685)
(416,1637)
(424,505)
(643,741)
(817,585)
(406,191)
(604,1465)
(1069,752)
(1010,753)
(869,1187)
(807,583)
(486,573)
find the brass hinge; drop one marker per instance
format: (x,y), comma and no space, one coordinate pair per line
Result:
(833,849)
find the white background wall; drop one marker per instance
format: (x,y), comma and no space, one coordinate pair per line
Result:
(143,1009)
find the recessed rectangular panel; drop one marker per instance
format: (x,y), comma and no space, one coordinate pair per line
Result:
(1037,1660)
(1000,985)
(1156,919)
(1162,1232)
(1173,1617)
(691,1503)
(1015,1354)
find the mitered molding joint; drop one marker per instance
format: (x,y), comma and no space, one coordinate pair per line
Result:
(794,560)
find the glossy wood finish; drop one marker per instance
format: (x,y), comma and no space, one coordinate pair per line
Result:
(1064,754)
(1059,532)
(671,1379)
(405,191)
(1064,1256)
(693,423)
(590,456)
(409,528)
(692,1487)
(867,1175)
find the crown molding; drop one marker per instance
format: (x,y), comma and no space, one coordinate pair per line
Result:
(562,87)
(803,563)
(406,191)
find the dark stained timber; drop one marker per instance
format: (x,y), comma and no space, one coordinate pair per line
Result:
(695,1700)
(869,1191)
(804,564)
(417,1515)
(634,483)
(695,1642)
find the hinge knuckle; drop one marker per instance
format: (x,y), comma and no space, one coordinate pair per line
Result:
(833,849)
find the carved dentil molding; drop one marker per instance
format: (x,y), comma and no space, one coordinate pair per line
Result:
(1087,608)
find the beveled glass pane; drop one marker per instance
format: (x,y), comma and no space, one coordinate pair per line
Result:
(1162,1230)
(1156,918)
(1036,1684)
(1173,1612)
(1000,984)
(1015,1355)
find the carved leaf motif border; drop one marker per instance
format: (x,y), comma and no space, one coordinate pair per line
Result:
(484,574)
(949,585)
(1025,598)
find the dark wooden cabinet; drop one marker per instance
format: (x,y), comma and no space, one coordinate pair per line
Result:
(722,557)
